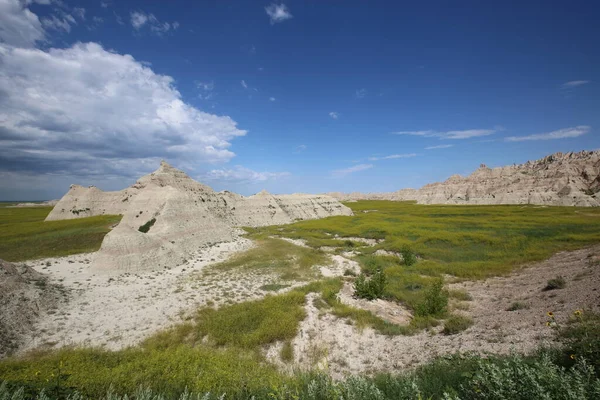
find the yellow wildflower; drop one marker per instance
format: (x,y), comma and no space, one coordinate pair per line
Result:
(572,356)
(550,314)
(577,313)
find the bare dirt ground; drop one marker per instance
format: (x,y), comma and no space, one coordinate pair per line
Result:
(339,347)
(119,311)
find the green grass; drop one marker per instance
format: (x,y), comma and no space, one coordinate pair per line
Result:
(466,242)
(24,235)
(456,323)
(289,261)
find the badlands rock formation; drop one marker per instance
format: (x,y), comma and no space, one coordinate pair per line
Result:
(24,295)
(560,179)
(181,215)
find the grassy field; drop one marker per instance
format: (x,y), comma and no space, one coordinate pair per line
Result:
(465,242)
(221,350)
(24,235)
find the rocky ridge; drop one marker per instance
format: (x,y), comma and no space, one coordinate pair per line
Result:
(167,216)
(560,179)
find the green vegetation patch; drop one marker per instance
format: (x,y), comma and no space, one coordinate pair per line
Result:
(24,235)
(146,227)
(289,261)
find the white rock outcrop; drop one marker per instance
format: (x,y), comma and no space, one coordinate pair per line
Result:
(184,215)
(560,179)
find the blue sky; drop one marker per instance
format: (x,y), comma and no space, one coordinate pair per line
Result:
(299,96)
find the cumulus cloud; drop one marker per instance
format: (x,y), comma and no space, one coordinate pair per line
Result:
(559,134)
(574,84)
(19,26)
(241,174)
(140,19)
(90,111)
(441,146)
(464,134)
(340,173)
(392,157)
(244,84)
(278,13)
(334,115)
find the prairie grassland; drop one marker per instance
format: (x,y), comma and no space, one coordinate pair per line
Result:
(24,235)
(465,242)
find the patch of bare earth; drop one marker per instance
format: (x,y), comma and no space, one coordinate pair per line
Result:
(120,310)
(337,346)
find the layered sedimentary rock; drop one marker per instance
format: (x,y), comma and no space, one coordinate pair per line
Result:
(181,215)
(561,179)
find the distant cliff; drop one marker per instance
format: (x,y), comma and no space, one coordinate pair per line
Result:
(560,179)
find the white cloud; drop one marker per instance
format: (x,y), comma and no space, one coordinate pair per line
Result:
(334,115)
(57,24)
(559,134)
(278,13)
(242,174)
(340,173)
(301,148)
(392,157)
(92,111)
(79,12)
(574,84)
(139,19)
(360,93)
(104,4)
(19,26)
(244,84)
(206,90)
(272,99)
(465,134)
(441,146)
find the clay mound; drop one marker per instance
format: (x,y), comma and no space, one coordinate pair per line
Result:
(24,295)
(560,179)
(167,216)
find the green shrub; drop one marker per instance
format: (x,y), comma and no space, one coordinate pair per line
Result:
(460,294)
(146,227)
(517,305)
(287,351)
(456,323)
(408,256)
(436,301)
(581,338)
(556,283)
(372,288)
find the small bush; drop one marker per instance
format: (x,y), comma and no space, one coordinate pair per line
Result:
(581,337)
(287,352)
(146,227)
(556,283)
(435,303)
(517,305)
(349,272)
(370,289)
(460,294)
(456,323)
(408,256)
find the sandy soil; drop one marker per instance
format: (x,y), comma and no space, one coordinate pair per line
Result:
(119,311)
(339,347)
